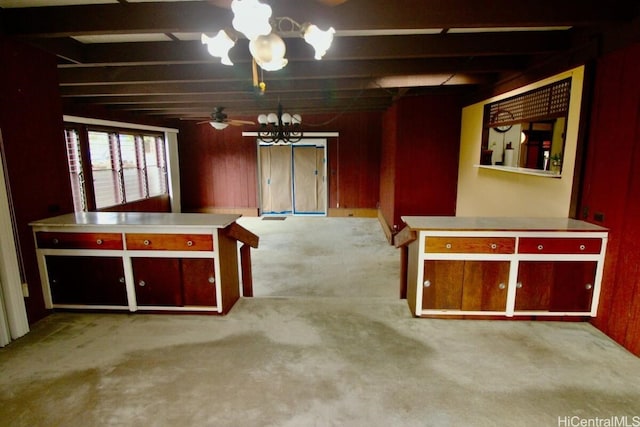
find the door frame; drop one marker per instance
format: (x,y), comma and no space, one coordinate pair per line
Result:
(304,142)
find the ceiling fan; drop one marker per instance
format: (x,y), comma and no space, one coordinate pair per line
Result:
(219,120)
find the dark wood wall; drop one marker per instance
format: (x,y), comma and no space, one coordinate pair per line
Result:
(611,189)
(422,145)
(34,150)
(218,169)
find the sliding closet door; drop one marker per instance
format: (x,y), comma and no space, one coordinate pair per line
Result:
(292,179)
(276,170)
(309,193)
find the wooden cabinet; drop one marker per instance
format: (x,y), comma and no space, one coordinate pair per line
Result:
(502,266)
(558,286)
(151,261)
(465,285)
(87,280)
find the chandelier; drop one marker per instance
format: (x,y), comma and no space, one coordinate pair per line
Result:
(279,127)
(253,19)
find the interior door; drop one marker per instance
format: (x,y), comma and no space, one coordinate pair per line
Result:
(293,179)
(308,185)
(276,173)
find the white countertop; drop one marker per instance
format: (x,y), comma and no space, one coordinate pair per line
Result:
(138,219)
(498,224)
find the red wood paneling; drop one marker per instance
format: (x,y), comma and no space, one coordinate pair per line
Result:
(425,138)
(611,187)
(34,146)
(219,168)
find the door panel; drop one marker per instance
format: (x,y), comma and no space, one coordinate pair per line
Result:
(443,285)
(198,281)
(535,279)
(308,180)
(157,281)
(276,169)
(485,285)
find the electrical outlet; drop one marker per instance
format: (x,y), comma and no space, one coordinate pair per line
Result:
(25,290)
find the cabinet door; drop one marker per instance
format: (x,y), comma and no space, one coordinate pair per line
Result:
(485,285)
(86,280)
(157,281)
(198,281)
(533,291)
(555,285)
(442,286)
(573,285)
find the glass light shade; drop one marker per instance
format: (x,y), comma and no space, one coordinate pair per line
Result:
(272,118)
(262,119)
(219,125)
(286,118)
(320,40)
(296,119)
(251,18)
(219,46)
(269,51)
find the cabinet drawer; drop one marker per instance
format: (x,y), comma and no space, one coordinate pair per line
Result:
(550,245)
(483,245)
(170,242)
(56,240)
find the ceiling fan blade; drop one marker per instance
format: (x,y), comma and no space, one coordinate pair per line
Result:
(240,122)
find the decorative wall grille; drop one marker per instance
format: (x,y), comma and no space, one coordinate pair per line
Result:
(543,103)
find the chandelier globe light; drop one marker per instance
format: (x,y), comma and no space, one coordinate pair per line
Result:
(253,20)
(280,127)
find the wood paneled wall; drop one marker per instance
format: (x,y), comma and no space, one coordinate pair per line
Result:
(218,169)
(34,149)
(612,190)
(420,168)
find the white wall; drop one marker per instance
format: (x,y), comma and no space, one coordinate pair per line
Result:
(488,192)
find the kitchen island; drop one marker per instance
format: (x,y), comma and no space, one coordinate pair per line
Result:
(160,262)
(505,267)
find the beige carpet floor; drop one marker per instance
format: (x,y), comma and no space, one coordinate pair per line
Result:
(346,355)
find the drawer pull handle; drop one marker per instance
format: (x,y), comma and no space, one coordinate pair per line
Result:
(494,246)
(519,285)
(583,247)
(501,286)
(55,241)
(99,241)
(588,286)
(212,280)
(540,247)
(448,246)
(427,283)
(189,243)
(146,242)
(142,283)
(121,280)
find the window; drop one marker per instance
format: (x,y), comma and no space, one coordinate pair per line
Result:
(124,167)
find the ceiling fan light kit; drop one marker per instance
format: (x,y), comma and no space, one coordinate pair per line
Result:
(253,20)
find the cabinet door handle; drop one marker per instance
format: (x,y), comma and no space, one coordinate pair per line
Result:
(146,242)
(99,241)
(189,243)
(142,283)
(501,286)
(519,285)
(121,280)
(588,286)
(212,280)
(426,283)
